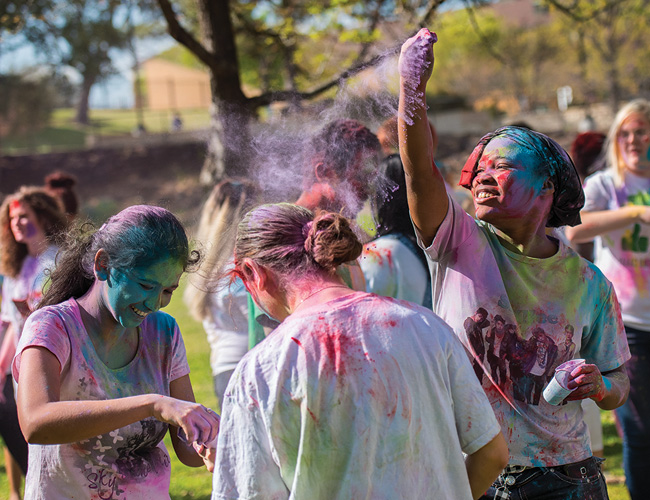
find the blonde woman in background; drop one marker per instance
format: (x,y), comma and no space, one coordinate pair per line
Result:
(617,215)
(222,309)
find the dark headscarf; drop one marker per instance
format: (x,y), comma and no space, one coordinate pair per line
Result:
(568,198)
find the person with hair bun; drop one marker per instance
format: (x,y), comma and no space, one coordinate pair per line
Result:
(353,395)
(102,373)
(340,163)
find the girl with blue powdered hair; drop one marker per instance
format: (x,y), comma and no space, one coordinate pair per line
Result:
(102,373)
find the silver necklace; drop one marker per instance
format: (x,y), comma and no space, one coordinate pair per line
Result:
(317,292)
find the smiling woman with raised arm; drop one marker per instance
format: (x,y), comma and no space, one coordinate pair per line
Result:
(528,287)
(353,395)
(102,374)
(617,214)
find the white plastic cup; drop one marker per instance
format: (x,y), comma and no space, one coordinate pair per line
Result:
(557,389)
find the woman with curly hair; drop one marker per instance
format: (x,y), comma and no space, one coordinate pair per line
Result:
(30,220)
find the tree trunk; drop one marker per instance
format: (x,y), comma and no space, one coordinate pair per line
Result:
(229,145)
(82,105)
(611,57)
(229,151)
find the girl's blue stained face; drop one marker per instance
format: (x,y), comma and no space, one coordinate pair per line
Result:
(135,293)
(506,185)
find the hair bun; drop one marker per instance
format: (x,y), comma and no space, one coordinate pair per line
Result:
(60,180)
(330,240)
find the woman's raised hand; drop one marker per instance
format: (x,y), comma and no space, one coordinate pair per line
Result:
(416,58)
(198,423)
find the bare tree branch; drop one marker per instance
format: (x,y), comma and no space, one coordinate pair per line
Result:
(366,46)
(184,37)
(573,11)
(486,41)
(430,12)
(288,95)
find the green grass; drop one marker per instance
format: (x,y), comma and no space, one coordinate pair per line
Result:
(196,483)
(62,133)
(189,482)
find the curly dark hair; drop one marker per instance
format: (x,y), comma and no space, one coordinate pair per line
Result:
(50,217)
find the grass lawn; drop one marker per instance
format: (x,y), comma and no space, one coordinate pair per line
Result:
(62,133)
(191,483)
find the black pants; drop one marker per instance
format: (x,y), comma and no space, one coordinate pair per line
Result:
(9,428)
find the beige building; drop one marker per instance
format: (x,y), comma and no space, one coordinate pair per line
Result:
(171,86)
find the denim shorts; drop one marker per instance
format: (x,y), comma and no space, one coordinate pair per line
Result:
(552,483)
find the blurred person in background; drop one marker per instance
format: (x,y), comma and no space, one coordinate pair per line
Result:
(393,264)
(340,173)
(61,185)
(30,221)
(222,308)
(617,215)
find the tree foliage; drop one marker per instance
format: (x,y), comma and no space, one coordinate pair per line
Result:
(609,43)
(81,34)
(291,50)
(596,47)
(26,104)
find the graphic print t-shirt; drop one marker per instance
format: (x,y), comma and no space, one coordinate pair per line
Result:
(624,254)
(520,317)
(129,462)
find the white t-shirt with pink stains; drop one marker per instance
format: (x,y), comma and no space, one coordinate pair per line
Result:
(624,254)
(520,317)
(393,270)
(359,397)
(26,289)
(129,462)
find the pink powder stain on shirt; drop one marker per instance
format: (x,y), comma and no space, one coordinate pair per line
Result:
(314,417)
(335,347)
(367,356)
(378,254)
(297,342)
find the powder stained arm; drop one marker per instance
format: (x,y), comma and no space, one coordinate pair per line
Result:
(427,197)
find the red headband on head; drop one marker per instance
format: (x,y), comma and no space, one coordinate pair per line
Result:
(467,173)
